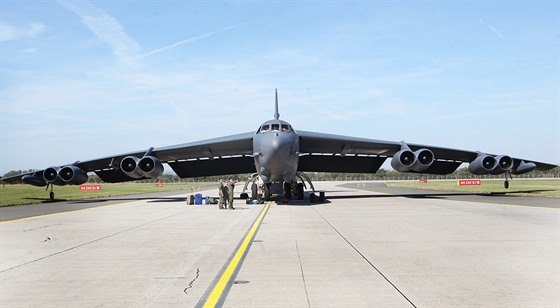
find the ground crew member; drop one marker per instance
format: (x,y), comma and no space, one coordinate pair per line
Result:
(225,193)
(221,204)
(230,186)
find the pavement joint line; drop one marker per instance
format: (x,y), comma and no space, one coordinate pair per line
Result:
(90,242)
(366,259)
(218,290)
(66,212)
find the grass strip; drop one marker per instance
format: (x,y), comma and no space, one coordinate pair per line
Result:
(25,194)
(520,187)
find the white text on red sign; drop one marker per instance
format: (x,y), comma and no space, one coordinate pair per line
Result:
(469,182)
(90,187)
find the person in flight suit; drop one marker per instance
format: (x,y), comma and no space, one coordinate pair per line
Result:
(225,193)
(221,204)
(230,186)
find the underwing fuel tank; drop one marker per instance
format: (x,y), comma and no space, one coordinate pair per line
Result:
(34,180)
(524,167)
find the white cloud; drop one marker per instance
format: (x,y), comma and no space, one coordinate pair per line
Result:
(11,33)
(107,29)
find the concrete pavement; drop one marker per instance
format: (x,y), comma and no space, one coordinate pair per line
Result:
(349,252)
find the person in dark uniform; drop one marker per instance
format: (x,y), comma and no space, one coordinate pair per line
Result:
(225,193)
(230,186)
(221,185)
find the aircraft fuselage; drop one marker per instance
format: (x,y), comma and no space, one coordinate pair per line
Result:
(276,151)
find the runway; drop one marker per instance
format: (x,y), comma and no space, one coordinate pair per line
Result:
(362,248)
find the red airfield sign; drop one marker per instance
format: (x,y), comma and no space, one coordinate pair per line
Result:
(90,187)
(469,182)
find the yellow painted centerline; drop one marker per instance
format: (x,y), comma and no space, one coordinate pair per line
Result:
(219,288)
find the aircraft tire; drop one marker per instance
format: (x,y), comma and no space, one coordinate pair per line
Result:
(267,192)
(51,195)
(254,192)
(287,190)
(299,189)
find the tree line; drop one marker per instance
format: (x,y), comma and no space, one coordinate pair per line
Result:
(381,174)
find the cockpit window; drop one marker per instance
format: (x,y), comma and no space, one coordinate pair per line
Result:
(265,128)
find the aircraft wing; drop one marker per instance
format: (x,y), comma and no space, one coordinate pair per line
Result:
(218,156)
(321,152)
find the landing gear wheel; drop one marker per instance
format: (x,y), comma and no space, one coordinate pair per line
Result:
(299,189)
(254,192)
(506,184)
(267,192)
(51,195)
(287,190)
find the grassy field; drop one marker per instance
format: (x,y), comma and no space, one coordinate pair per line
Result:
(26,194)
(520,187)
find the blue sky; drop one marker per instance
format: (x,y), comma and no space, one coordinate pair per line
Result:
(85,79)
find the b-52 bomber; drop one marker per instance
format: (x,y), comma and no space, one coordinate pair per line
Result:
(278,156)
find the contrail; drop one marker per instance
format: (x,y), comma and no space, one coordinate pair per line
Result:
(188,41)
(496,32)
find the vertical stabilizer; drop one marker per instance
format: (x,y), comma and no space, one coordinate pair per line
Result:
(276,114)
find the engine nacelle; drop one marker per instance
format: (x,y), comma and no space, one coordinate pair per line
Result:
(423,159)
(418,161)
(51,176)
(129,165)
(147,166)
(504,163)
(73,175)
(34,180)
(151,167)
(483,164)
(524,168)
(403,161)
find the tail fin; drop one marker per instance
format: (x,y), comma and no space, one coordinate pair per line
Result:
(276,114)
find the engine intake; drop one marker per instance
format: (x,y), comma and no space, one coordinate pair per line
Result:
(129,165)
(504,164)
(418,161)
(73,175)
(148,166)
(51,176)
(151,167)
(403,161)
(483,164)
(423,159)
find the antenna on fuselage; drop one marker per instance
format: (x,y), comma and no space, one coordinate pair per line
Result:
(276,114)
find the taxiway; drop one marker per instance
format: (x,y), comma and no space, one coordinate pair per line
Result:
(363,248)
